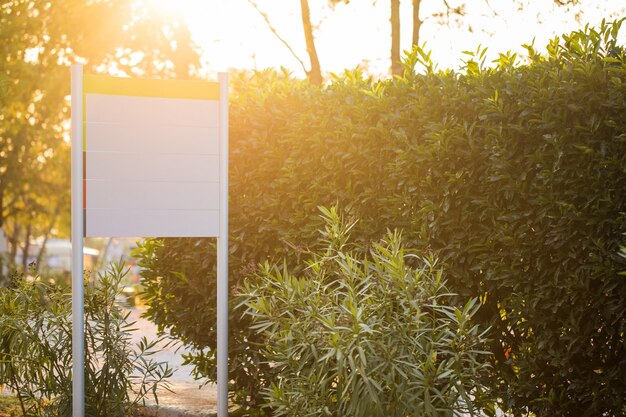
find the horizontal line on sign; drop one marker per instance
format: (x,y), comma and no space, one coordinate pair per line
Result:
(92,152)
(144,87)
(152,196)
(151,167)
(156,210)
(156,123)
(146,111)
(159,181)
(141,210)
(156,223)
(156,139)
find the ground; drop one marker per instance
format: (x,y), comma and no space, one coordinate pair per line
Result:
(186,392)
(9,406)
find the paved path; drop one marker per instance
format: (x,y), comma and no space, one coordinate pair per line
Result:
(186,391)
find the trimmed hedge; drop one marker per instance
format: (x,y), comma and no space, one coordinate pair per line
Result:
(514,176)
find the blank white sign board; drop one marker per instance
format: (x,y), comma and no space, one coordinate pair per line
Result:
(151,157)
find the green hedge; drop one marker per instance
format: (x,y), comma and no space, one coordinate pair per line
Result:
(515,176)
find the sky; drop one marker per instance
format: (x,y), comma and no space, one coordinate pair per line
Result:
(232,34)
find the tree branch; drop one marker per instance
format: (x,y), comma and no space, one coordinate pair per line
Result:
(275,32)
(495,13)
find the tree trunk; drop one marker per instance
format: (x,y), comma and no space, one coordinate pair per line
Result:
(26,248)
(42,250)
(41,253)
(396,66)
(315,73)
(13,243)
(417,23)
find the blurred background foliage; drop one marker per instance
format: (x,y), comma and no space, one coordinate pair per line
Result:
(513,175)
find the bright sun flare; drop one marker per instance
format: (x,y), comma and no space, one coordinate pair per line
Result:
(231,33)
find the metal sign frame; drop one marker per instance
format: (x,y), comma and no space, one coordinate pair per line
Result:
(78,232)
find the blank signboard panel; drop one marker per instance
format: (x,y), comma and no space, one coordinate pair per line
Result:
(151,157)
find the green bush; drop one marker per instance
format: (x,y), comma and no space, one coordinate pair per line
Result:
(36,349)
(514,176)
(365,334)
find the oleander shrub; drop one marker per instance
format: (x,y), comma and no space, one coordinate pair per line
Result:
(365,331)
(36,349)
(512,175)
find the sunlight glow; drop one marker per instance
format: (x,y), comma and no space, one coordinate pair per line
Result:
(166,6)
(232,34)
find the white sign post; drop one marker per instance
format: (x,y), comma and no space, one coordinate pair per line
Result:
(78,308)
(149,158)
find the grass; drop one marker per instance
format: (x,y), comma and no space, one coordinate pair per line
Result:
(9,406)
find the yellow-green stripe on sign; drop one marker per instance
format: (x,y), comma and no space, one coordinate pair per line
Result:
(143,87)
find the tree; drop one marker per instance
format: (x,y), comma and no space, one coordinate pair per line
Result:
(40,39)
(314,74)
(417,23)
(396,65)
